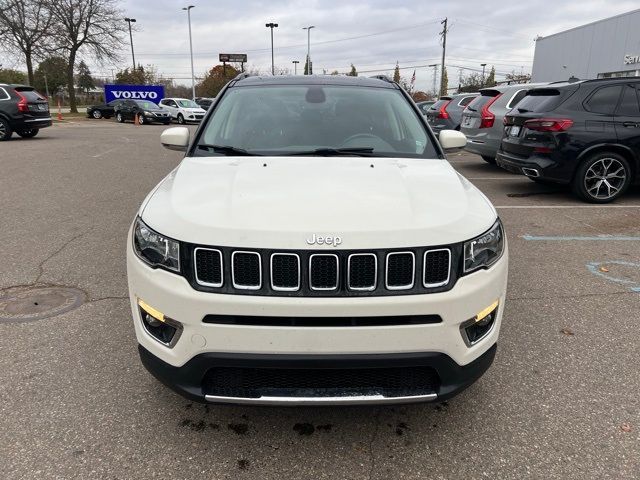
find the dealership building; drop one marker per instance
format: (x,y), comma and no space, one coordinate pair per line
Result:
(602,49)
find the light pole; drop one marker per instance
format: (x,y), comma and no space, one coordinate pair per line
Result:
(133,55)
(272,26)
(308,29)
(193,79)
(295,66)
(483,65)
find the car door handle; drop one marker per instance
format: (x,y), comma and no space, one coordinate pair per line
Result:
(630,124)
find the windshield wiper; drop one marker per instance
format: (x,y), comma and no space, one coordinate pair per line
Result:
(228,150)
(336,152)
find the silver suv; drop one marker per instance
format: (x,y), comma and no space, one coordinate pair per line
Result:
(446,113)
(482,118)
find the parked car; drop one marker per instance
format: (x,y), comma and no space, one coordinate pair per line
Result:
(314,246)
(585,134)
(146,111)
(424,106)
(446,113)
(482,119)
(183,110)
(106,110)
(205,102)
(22,110)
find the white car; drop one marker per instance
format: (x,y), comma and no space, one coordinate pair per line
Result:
(314,246)
(183,110)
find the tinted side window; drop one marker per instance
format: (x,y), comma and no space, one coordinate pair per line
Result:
(4,95)
(604,100)
(466,101)
(630,104)
(520,94)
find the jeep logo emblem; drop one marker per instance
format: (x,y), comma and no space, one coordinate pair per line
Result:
(329,240)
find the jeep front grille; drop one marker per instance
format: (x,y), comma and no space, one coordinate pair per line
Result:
(322,273)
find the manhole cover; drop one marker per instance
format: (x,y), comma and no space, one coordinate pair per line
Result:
(24,304)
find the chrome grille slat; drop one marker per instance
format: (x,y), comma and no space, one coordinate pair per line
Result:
(322,281)
(395,260)
(436,267)
(242,268)
(208,266)
(285,282)
(362,284)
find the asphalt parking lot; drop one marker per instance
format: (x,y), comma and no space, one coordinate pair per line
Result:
(561,400)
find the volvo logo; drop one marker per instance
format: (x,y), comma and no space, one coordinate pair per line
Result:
(136,95)
(328,240)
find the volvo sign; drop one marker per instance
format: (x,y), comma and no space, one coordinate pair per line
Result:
(154,93)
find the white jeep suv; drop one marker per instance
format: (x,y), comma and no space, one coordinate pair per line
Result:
(314,246)
(183,110)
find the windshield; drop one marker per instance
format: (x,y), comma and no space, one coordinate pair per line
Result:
(301,119)
(188,104)
(147,105)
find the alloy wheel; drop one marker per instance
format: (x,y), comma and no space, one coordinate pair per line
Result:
(605,178)
(97,114)
(3,130)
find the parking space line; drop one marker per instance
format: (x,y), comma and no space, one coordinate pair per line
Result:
(597,238)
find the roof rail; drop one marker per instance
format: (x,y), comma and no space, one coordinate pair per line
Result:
(384,78)
(241,76)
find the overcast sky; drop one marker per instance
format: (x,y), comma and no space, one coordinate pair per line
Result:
(499,33)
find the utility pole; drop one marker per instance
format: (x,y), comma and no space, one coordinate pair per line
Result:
(193,78)
(46,85)
(133,55)
(295,66)
(483,65)
(443,34)
(272,26)
(435,77)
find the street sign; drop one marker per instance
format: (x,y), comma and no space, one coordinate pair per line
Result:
(233,57)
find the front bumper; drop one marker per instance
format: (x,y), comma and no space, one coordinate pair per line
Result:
(153,118)
(188,379)
(202,346)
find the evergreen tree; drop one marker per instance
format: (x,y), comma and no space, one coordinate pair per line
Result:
(396,74)
(308,67)
(444,85)
(490,81)
(85,80)
(55,69)
(353,72)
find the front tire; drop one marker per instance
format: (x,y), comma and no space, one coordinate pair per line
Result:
(602,178)
(5,130)
(488,159)
(32,132)
(97,114)
(119,118)
(180,119)
(141,119)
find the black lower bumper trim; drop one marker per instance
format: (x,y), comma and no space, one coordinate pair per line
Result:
(189,380)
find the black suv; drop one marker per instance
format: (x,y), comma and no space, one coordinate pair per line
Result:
(585,134)
(22,110)
(144,110)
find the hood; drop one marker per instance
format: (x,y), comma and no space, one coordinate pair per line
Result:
(279,202)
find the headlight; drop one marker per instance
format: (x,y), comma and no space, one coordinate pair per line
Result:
(147,113)
(155,249)
(485,250)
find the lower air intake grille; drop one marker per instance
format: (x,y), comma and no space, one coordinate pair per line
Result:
(323,272)
(276,382)
(437,264)
(247,272)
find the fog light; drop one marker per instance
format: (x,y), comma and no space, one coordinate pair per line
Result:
(478,327)
(162,328)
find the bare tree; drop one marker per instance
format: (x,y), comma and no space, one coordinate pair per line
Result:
(92,27)
(25,27)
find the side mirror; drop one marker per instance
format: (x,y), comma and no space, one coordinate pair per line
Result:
(176,138)
(452,140)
